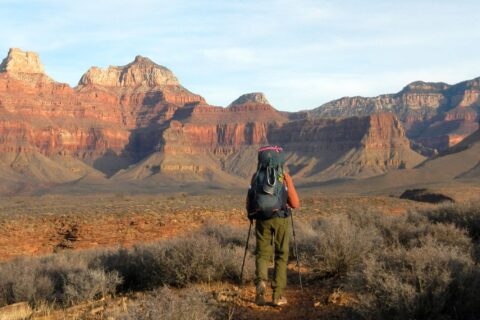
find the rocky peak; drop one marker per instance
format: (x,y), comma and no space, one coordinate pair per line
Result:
(141,72)
(254,97)
(145,61)
(18,61)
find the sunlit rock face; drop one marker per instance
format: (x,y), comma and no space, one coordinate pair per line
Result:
(18,61)
(141,72)
(138,122)
(98,118)
(436,115)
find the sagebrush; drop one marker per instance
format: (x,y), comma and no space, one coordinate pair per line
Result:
(68,278)
(419,265)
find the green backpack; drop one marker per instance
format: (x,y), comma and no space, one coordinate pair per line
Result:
(268,194)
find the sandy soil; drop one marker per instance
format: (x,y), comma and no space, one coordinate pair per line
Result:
(43,225)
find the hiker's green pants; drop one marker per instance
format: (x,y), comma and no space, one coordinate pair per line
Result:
(272,236)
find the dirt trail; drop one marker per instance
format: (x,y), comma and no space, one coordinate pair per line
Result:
(312,303)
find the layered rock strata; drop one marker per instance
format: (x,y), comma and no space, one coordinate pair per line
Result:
(92,122)
(137,123)
(356,146)
(436,115)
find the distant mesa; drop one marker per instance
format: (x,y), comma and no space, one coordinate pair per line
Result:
(141,72)
(18,61)
(435,115)
(254,97)
(427,87)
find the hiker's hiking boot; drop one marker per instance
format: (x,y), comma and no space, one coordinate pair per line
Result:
(260,294)
(280,301)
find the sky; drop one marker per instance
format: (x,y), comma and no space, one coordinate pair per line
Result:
(300,53)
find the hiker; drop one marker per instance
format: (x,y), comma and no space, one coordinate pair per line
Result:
(269,201)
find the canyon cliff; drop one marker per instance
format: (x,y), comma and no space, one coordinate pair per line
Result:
(221,143)
(435,115)
(48,126)
(137,125)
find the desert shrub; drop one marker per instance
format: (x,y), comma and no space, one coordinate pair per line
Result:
(412,229)
(477,251)
(469,305)
(427,282)
(177,262)
(401,267)
(466,216)
(227,235)
(448,235)
(87,284)
(65,279)
(335,245)
(166,305)
(306,237)
(405,230)
(233,265)
(232,243)
(422,269)
(180,262)
(20,281)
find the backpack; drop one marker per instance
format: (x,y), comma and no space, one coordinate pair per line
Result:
(268,194)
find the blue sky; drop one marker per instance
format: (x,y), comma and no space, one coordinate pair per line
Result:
(300,53)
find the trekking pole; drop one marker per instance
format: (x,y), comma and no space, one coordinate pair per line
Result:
(296,253)
(246,249)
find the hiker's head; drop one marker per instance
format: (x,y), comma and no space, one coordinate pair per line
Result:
(272,156)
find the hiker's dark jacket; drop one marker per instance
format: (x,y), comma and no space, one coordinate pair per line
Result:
(293,201)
